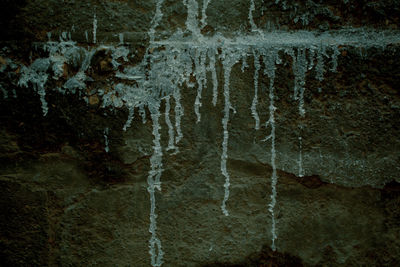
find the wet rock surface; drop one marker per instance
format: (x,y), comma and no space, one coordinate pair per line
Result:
(65,201)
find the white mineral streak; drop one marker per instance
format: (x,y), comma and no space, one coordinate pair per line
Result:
(203,13)
(255,99)
(94,28)
(229,59)
(212,69)
(171,132)
(153,181)
(270,59)
(299,70)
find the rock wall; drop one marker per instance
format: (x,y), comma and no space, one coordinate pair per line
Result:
(197,133)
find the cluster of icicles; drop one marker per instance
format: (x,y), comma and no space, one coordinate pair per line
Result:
(184,56)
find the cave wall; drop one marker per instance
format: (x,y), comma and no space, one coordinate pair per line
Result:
(84,83)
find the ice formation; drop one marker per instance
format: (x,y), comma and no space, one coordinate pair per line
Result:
(229,58)
(270,59)
(182,62)
(255,99)
(94,28)
(153,181)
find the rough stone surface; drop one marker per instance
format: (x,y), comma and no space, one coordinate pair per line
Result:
(65,201)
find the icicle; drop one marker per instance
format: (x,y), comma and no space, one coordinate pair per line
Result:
(320,63)
(106,148)
(311,54)
(270,71)
(335,55)
(153,182)
(229,59)
(251,20)
(301,170)
(142,112)
(171,132)
(200,73)
(203,13)
(178,115)
(255,99)
(130,118)
(94,28)
(299,70)
(212,69)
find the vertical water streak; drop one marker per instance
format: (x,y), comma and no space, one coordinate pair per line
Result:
(255,99)
(153,182)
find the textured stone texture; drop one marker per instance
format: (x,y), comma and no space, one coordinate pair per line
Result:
(64,201)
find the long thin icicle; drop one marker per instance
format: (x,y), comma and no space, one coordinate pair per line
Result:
(153,181)
(212,69)
(178,115)
(171,133)
(255,99)
(94,28)
(299,70)
(301,170)
(229,59)
(270,71)
(200,73)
